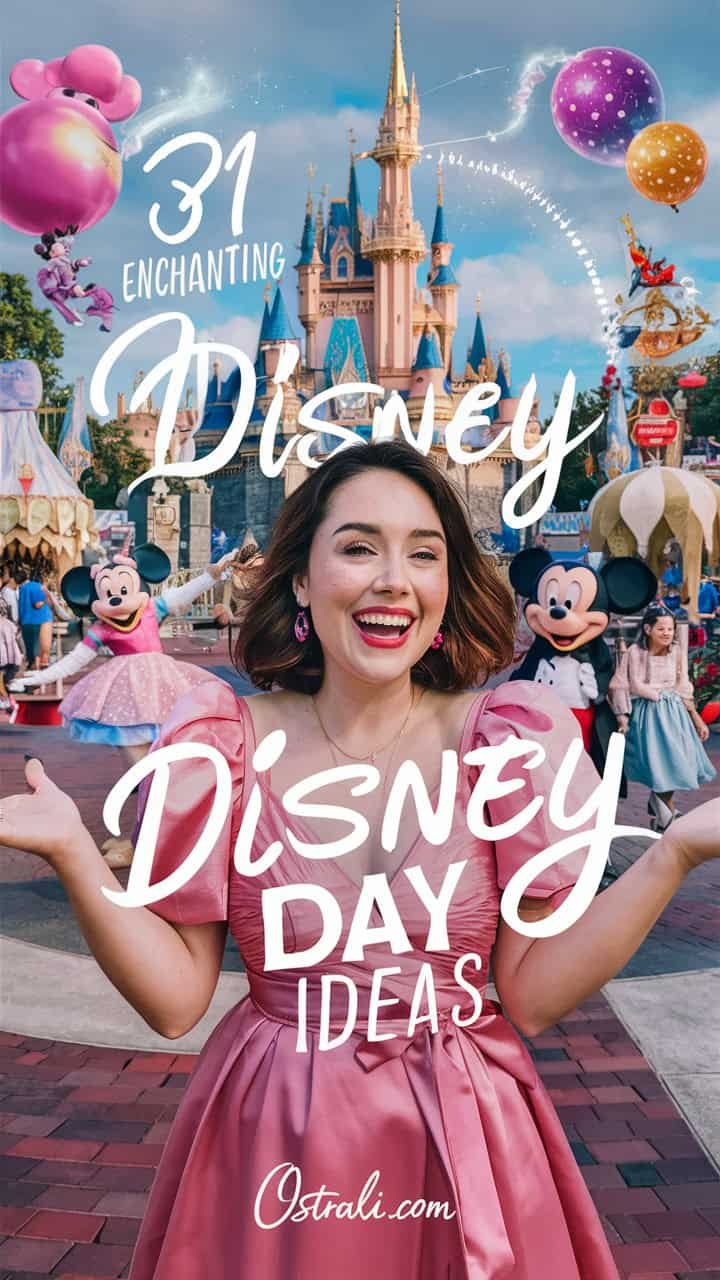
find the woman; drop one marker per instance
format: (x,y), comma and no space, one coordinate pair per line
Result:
(10,655)
(652,697)
(374,613)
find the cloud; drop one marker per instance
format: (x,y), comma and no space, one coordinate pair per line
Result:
(705,120)
(522,302)
(237,331)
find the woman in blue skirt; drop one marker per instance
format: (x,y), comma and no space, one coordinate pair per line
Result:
(652,697)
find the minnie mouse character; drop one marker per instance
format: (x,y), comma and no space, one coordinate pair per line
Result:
(568,610)
(125,702)
(59,281)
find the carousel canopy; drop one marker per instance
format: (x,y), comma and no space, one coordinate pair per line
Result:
(639,512)
(39,500)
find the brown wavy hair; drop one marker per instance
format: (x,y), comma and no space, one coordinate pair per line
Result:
(479,618)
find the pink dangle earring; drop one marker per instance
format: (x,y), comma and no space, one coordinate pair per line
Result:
(302,626)
(439,641)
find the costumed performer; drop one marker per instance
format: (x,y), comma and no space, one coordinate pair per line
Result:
(568,609)
(373,620)
(124,703)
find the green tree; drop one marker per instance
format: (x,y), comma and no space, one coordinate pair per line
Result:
(29,334)
(575,485)
(116,462)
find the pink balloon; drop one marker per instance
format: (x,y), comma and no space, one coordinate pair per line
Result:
(28,78)
(60,165)
(93,69)
(53,73)
(58,155)
(126,100)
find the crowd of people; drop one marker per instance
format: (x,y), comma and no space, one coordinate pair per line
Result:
(29,604)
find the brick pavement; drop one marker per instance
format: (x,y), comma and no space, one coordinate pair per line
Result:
(82,1130)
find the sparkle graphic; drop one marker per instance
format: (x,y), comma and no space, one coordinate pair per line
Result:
(532,74)
(198,98)
(563,222)
(466,75)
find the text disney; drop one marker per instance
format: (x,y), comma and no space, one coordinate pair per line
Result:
(590,829)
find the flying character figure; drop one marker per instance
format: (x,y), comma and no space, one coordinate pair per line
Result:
(60,163)
(59,283)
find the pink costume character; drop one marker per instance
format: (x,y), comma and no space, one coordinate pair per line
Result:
(450,1114)
(60,163)
(58,281)
(125,702)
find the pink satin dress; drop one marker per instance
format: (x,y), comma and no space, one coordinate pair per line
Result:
(458,1117)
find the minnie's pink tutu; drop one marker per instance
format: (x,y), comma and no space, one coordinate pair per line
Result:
(126,700)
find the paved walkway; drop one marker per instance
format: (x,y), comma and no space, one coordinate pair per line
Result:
(633,1073)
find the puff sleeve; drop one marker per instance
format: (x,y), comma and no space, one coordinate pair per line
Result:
(211,715)
(522,709)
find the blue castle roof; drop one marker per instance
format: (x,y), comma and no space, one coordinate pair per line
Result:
(442,275)
(307,243)
(353,210)
(428,355)
(264,323)
(439,235)
(279,328)
(502,382)
(478,350)
(220,401)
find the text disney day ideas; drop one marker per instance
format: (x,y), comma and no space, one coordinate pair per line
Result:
(590,829)
(543,458)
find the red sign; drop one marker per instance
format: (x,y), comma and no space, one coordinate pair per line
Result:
(652,432)
(659,408)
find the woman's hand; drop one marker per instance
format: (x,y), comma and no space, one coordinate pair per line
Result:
(694,838)
(45,822)
(701,728)
(623,723)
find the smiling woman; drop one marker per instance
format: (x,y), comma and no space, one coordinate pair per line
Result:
(459,596)
(370,562)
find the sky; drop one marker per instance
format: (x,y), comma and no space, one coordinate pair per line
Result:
(302,76)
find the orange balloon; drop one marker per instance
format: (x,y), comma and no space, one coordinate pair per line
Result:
(667,162)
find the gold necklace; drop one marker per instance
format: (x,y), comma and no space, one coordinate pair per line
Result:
(378,750)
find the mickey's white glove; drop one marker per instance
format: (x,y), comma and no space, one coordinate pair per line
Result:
(588,681)
(545,673)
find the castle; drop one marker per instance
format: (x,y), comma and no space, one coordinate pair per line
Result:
(365,320)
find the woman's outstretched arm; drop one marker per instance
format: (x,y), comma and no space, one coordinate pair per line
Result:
(167,973)
(540,980)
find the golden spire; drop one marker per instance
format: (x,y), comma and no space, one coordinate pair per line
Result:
(310,170)
(397,85)
(440,182)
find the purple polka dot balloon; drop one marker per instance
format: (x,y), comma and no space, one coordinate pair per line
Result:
(601,99)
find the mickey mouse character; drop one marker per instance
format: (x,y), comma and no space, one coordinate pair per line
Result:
(568,610)
(125,702)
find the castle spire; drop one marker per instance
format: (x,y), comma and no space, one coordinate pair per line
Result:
(438,235)
(354,213)
(307,243)
(397,84)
